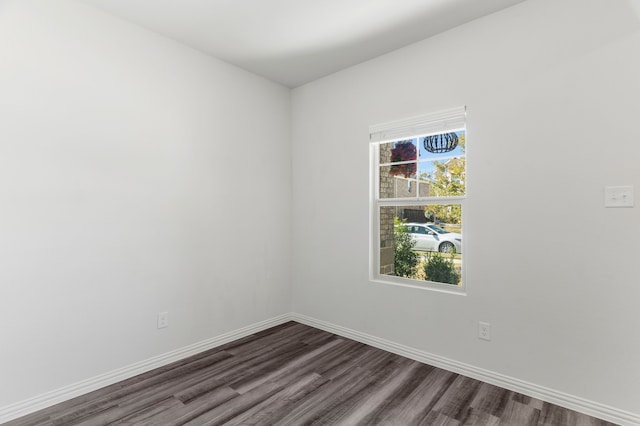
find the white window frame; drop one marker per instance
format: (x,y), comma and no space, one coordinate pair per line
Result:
(453,119)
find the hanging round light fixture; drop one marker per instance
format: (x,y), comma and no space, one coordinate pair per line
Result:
(438,144)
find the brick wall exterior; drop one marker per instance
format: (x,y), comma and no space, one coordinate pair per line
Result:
(386,214)
(395,187)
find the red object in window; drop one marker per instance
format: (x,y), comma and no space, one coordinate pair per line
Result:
(403,151)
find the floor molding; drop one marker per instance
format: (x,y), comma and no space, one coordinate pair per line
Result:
(65,393)
(562,399)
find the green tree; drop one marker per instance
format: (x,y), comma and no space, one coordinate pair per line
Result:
(447,213)
(405,260)
(448,179)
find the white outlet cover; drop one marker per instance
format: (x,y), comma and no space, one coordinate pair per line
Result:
(618,196)
(163,319)
(484,331)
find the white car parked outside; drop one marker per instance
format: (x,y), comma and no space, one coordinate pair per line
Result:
(430,237)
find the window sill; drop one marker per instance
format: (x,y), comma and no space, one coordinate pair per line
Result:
(429,286)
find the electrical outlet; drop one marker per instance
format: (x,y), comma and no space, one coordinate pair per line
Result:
(484,331)
(163,319)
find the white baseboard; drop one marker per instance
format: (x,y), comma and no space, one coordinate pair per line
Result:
(591,408)
(48,399)
(571,402)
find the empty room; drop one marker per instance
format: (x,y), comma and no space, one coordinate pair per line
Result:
(365,212)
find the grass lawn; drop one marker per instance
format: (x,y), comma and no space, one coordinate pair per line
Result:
(423,255)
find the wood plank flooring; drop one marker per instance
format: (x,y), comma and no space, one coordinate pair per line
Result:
(293,374)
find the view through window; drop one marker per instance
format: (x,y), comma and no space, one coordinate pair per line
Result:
(420,187)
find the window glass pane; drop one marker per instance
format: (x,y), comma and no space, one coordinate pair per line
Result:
(422,242)
(398,176)
(399,152)
(400,186)
(444,172)
(426,142)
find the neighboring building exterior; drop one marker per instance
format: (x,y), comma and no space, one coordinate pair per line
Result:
(396,187)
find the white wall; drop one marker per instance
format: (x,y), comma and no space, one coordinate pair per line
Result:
(552,93)
(136,176)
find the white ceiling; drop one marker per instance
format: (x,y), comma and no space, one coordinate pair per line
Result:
(296,41)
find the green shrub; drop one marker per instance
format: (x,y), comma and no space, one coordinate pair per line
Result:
(441,270)
(405,260)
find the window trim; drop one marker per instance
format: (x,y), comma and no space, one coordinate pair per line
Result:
(453,119)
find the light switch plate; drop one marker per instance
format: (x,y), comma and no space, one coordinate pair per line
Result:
(618,196)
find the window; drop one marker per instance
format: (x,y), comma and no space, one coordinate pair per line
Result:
(418,191)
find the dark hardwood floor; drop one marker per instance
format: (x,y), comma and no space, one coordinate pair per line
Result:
(298,375)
